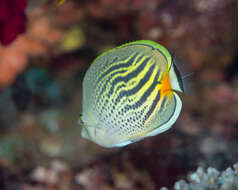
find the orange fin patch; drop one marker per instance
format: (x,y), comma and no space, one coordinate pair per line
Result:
(166,87)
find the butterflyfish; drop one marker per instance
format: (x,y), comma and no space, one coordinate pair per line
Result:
(130,93)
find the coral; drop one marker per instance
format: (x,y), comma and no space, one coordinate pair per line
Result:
(12,19)
(210,179)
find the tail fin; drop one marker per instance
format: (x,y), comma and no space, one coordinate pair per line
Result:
(181,77)
(176,79)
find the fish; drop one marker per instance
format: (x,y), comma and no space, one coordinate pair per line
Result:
(130,93)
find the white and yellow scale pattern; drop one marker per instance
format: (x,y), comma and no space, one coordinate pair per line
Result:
(128,94)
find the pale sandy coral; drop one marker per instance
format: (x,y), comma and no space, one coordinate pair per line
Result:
(210,179)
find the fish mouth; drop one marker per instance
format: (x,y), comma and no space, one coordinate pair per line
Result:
(99,139)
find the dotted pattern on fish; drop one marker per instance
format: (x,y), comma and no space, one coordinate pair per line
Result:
(127,94)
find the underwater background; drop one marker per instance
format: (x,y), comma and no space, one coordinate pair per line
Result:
(45,50)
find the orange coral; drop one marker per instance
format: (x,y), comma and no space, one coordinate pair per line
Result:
(13,58)
(40,36)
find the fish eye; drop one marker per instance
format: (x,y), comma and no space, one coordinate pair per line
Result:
(81,120)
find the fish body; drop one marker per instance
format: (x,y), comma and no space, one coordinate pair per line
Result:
(129,94)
